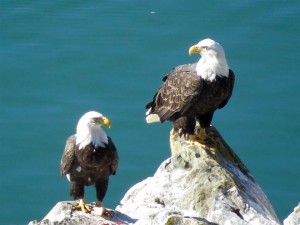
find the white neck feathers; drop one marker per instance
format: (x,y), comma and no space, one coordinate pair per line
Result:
(86,135)
(209,67)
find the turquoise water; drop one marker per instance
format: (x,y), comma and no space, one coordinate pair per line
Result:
(60,59)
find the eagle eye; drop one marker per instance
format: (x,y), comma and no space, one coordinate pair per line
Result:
(95,119)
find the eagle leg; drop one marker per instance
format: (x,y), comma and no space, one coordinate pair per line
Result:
(105,211)
(184,126)
(101,187)
(82,206)
(201,137)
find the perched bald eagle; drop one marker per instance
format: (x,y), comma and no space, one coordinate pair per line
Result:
(89,158)
(194,91)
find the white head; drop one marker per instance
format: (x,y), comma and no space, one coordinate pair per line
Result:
(89,130)
(212,62)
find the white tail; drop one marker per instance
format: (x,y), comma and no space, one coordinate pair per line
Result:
(152,118)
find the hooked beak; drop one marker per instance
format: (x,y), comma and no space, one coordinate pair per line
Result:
(195,49)
(105,121)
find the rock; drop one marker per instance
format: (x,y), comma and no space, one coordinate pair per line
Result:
(294,217)
(199,185)
(62,213)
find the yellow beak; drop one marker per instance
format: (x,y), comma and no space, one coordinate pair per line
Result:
(195,49)
(105,121)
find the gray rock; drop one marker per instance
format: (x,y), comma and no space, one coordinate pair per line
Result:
(294,217)
(63,214)
(199,184)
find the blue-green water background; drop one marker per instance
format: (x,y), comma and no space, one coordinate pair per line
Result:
(60,59)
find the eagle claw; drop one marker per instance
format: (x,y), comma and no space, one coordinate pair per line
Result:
(82,206)
(201,137)
(105,211)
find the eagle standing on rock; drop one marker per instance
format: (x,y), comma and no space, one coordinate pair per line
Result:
(89,158)
(192,91)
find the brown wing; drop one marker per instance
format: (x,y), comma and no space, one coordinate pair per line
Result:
(180,87)
(231,85)
(115,156)
(68,155)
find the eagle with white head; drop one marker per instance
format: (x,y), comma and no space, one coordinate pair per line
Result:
(89,158)
(193,92)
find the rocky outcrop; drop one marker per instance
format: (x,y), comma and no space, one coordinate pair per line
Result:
(199,184)
(206,183)
(294,217)
(63,214)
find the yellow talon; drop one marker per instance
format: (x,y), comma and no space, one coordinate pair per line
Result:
(82,206)
(105,211)
(199,138)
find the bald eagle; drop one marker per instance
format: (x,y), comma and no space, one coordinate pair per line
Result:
(89,158)
(193,92)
